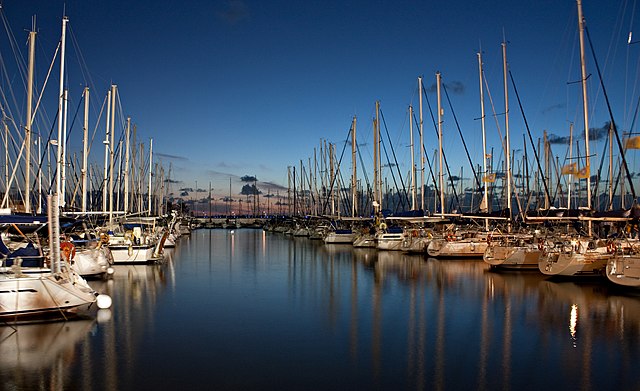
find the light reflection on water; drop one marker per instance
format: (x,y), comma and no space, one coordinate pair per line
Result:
(256,310)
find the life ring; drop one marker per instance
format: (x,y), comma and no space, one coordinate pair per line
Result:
(69,250)
(383,226)
(414,233)
(450,237)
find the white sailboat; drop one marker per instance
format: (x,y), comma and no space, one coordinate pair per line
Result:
(60,293)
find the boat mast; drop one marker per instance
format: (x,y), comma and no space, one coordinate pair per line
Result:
(150,167)
(85,148)
(106,155)
(413,163)
(485,201)
(64,149)
(60,155)
(507,147)
(111,149)
(441,174)
(585,107)
(377,174)
(354,178)
(570,160)
(331,179)
(27,128)
(126,166)
(422,151)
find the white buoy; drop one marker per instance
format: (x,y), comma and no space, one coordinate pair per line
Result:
(104,301)
(232,232)
(103,316)
(110,271)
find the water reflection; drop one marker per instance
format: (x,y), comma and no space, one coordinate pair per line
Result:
(255,310)
(36,355)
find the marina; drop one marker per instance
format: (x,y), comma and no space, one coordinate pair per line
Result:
(251,309)
(396,254)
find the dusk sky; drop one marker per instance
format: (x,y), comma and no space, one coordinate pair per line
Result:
(241,87)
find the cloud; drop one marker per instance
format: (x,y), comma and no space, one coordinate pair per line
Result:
(552,108)
(455,87)
(172,157)
(248,178)
(270,186)
(234,12)
(595,134)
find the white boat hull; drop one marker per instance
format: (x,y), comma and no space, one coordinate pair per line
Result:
(133,254)
(624,270)
(92,262)
(513,257)
(573,264)
(456,248)
(46,295)
(339,238)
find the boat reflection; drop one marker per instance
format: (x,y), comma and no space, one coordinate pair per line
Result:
(31,355)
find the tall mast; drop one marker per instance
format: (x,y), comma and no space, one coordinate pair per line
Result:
(585,107)
(354,196)
(106,142)
(570,160)
(331,181)
(112,149)
(378,169)
(126,166)
(441,174)
(150,167)
(60,109)
(63,167)
(28,123)
(413,163)
(507,147)
(421,148)
(85,149)
(485,200)
(39,177)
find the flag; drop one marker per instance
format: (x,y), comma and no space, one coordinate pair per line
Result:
(489,178)
(632,143)
(570,169)
(583,173)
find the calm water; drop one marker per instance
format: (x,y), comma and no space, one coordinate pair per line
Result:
(255,310)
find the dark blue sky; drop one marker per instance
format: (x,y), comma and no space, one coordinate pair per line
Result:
(242,87)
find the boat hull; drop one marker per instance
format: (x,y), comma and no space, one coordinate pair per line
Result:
(513,257)
(572,264)
(624,270)
(133,254)
(45,296)
(456,249)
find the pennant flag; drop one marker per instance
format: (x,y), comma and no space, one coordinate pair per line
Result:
(583,173)
(489,178)
(632,143)
(570,169)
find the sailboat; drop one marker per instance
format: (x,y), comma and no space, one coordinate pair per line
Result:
(60,293)
(579,255)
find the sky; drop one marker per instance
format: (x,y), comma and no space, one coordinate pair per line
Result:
(246,88)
